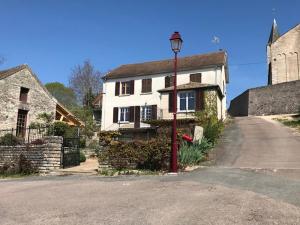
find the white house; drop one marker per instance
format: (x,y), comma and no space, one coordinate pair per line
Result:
(135,93)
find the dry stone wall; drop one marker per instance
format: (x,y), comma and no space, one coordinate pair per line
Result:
(45,157)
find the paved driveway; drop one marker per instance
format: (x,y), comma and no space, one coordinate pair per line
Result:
(252,142)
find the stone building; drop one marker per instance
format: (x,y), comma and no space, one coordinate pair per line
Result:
(283,55)
(23,98)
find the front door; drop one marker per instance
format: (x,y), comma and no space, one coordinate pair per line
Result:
(21,123)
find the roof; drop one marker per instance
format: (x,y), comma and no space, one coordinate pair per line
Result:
(167,66)
(274,35)
(193,85)
(6,73)
(98,100)
(11,71)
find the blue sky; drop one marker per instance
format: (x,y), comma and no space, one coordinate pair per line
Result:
(53,36)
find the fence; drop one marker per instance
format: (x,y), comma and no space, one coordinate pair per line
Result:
(33,135)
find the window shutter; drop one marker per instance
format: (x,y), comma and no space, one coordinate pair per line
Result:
(117,89)
(199,100)
(149,85)
(196,77)
(115,114)
(137,115)
(132,87)
(167,81)
(131,114)
(154,112)
(144,82)
(170,102)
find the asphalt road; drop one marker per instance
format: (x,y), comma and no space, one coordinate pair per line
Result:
(252,142)
(223,194)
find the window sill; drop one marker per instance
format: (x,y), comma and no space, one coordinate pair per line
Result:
(187,111)
(124,95)
(146,93)
(123,122)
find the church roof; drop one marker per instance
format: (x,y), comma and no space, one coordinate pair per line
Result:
(274,35)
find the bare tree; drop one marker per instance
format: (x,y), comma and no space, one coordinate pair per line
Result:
(84,80)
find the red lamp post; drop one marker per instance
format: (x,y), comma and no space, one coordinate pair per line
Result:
(176,43)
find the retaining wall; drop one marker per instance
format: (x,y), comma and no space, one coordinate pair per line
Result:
(45,157)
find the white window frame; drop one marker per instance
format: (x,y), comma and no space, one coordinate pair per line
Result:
(146,113)
(127,87)
(126,120)
(186,101)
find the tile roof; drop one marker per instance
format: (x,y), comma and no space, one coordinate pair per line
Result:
(167,66)
(191,85)
(11,71)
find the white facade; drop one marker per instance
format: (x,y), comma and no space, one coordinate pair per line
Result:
(214,75)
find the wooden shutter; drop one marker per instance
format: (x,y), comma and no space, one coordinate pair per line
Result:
(196,77)
(144,83)
(167,81)
(170,102)
(199,100)
(137,115)
(132,87)
(117,89)
(149,85)
(131,114)
(154,112)
(115,114)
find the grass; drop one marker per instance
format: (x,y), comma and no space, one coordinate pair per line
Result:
(291,123)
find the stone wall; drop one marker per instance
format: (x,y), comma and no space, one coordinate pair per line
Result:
(283,98)
(38,101)
(45,157)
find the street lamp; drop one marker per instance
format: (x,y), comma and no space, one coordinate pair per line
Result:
(176,43)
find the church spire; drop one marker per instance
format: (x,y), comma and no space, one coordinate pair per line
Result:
(274,35)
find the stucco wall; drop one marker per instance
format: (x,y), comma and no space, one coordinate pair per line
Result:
(284,55)
(38,100)
(283,98)
(209,76)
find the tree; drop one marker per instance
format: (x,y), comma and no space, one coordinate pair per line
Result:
(86,81)
(62,93)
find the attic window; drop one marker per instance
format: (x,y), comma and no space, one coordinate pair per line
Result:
(23,94)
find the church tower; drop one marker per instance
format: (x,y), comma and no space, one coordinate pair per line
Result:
(274,35)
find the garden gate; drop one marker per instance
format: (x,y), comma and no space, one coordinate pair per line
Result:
(71,151)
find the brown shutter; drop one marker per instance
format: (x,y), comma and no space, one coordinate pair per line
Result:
(115,114)
(144,82)
(117,89)
(170,102)
(131,114)
(199,100)
(196,77)
(132,87)
(167,81)
(154,112)
(149,85)
(137,115)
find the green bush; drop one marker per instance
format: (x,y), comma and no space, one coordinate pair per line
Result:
(60,128)
(193,154)
(82,157)
(152,155)
(9,139)
(82,143)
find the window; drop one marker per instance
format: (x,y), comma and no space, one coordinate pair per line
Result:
(186,101)
(196,77)
(23,94)
(21,123)
(146,113)
(146,85)
(124,114)
(169,81)
(125,88)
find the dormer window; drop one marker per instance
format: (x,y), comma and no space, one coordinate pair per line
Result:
(23,94)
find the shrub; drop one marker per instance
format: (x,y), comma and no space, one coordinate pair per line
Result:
(153,154)
(9,139)
(60,128)
(82,143)
(82,157)
(193,154)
